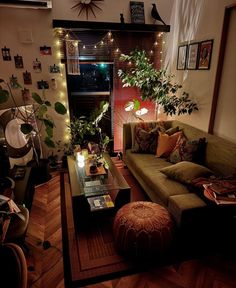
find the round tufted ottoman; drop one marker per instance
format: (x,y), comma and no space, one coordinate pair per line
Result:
(143,229)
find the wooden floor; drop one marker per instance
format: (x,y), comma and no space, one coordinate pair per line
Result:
(47,264)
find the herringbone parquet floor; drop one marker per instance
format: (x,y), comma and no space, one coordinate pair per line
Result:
(47,264)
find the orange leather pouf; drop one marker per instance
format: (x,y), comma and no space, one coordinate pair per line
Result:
(143,229)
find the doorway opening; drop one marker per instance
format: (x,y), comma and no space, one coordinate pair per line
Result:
(87,90)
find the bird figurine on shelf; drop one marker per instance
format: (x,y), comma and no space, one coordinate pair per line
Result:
(155,14)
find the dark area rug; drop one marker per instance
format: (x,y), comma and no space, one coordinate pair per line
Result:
(89,247)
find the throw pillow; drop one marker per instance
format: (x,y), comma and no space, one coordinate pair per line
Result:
(185,171)
(144,136)
(172,130)
(145,141)
(166,144)
(184,150)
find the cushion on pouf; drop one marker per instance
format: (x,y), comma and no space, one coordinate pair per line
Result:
(142,229)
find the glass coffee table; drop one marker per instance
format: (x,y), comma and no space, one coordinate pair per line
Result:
(90,190)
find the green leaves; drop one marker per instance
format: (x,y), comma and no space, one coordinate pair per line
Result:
(4,95)
(37,98)
(60,108)
(154,85)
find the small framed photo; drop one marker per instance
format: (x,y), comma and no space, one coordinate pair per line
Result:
(42,85)
(27,78)
(182,57)
(137,12)
(18,61)
(45,50)
(205,51)
(192,56)
(54,69)
(37,67)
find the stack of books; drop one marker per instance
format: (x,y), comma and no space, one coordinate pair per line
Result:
(220,193)
(100,202)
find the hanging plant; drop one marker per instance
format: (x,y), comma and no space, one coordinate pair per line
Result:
(155,85)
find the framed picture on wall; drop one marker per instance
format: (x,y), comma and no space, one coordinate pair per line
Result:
(205,51)
(182,57)
(137,12)
(192,56)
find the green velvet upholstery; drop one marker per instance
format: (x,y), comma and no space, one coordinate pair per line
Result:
(220,157)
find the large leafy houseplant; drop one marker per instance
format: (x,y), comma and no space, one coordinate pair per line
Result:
(41,111)
(155,85)
(84,129)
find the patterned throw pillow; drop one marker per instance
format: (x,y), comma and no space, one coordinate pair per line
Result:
(185,150)
(145,137)
(166,144)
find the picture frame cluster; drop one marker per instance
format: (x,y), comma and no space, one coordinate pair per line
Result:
(195,56)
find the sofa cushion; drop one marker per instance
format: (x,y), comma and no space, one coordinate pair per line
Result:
(184,150)
(145,140)
(172,130)
(166,143)
(185,171)
(146,169)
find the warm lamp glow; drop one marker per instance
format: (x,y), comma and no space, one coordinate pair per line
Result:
(129,106)
(141,112)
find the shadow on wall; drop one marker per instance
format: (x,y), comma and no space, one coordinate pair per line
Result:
(185,19)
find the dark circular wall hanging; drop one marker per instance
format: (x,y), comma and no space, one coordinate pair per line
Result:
(87,6)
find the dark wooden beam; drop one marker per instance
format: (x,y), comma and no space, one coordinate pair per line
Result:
(110,26)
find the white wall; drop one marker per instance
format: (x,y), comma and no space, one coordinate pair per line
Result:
(40,23)
(225,122)
(197,20)
(190,20)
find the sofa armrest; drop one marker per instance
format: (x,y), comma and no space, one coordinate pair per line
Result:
(186,207)
(127,137)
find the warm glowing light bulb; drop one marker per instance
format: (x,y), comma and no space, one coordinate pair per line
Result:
(117,50)
(83,46)
(109,34)
(95,46)
(151,52)
(58,54)
(112,40)
(129,63)
(155,43)
(58,43)
(163,42)
(102,42)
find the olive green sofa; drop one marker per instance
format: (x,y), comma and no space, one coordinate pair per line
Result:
(184,205)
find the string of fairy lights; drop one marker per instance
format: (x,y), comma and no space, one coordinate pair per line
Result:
(107,43)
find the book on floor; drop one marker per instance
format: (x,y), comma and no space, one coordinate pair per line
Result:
(100,202)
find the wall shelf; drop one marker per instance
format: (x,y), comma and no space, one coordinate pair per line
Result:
(111,26)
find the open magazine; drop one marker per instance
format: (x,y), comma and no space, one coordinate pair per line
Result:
(219,198)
